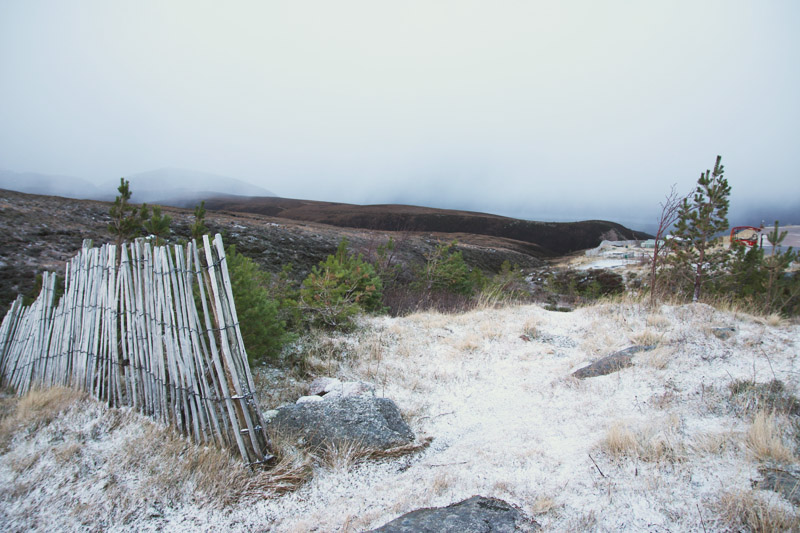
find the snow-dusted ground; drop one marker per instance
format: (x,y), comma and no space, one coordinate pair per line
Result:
(607,263)
(508,421)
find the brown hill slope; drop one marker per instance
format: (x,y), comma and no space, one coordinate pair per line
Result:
(39,233)
(550,238)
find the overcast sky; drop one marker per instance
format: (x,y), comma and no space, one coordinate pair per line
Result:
(537,109)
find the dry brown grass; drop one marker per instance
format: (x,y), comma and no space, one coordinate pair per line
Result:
(746,511)
(601,341)
(469,343)
(773,320)
(490,330)
(657,321)
(341,456)
(442,482)
(659,358)
(647,337)
(147,462)
(214,476)
(716,443)
(543,505)
(38,408)
(765,439)
(531,328)
(657,442)
(620,441)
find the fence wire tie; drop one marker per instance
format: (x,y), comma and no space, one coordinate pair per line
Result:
(267,458)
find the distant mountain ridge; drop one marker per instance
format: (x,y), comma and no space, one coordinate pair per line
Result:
(46,184)
(167,186)
(549,238)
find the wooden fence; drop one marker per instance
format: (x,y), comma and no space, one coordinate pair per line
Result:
(155,329)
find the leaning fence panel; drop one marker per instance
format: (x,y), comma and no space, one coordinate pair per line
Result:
(155,329)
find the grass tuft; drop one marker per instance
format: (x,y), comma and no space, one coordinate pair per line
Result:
(647,337)
(659,358)
(765,440)
(34,410)
(655,443)
(745,511)
(340,456)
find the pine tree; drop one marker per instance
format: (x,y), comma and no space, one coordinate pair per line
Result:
(340,287)
(263,329)
(779,289)
(198,227)
(157,224)
(699,221)
(126,220)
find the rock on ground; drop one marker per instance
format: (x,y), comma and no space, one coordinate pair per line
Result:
(475,515)
(610,363)
(786,483)
(372,422)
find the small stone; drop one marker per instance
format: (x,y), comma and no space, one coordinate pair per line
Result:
(723,333)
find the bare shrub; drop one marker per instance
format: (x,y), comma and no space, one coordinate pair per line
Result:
(406,300)
(670,209)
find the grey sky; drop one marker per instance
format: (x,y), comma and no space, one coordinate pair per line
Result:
(537,109)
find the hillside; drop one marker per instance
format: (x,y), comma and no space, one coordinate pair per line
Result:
(42,232)
(684,440)
(553,238)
